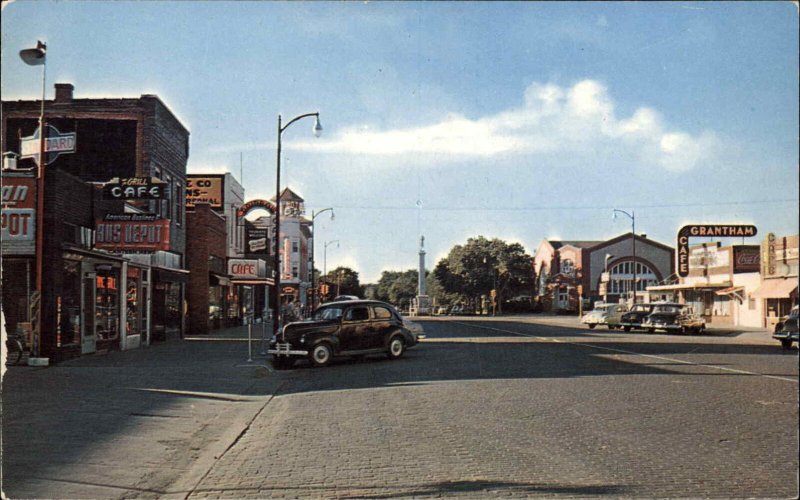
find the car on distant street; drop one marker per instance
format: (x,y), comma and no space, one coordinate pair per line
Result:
(787,330)
(348,328)
(673,317)
(599,315)
(460,310)
(635,317)
(341,298)
(614,316)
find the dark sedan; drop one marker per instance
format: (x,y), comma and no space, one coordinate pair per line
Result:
(349,328)
(787,330)
(635,317)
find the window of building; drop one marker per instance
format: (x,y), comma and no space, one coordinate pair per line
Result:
(179,203)
(295,271)
(295,246)
(751,303)
(567,267)
(166,210)
(621,277)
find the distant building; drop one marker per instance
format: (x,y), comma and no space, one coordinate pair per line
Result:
(566,271)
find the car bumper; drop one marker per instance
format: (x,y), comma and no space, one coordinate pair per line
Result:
(794,336)
(662,326)
(279,349)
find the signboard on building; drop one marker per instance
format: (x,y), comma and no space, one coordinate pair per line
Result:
(56,144)
(205,189)
(134,188)
(247,268)
(257,241)
(746,259)
(18,216)
(707,231)
(132,233)
(253,205)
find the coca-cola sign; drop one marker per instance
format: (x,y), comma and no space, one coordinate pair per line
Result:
(746,259)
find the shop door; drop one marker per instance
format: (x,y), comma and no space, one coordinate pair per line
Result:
(89,303)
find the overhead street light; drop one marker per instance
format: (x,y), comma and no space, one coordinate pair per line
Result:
(325,256)
(317,130)
(38,57)
(314,292)
(632,217)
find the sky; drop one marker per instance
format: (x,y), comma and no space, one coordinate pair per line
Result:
(520,120)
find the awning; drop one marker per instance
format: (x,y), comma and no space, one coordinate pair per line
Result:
(691,286)
(252,281)
(776,288)
(218,280)
(170,275)
(730,291)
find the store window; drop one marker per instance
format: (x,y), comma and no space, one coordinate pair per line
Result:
(133,302)
(68,331)
(107,308)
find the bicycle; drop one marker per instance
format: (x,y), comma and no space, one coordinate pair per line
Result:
(15,348)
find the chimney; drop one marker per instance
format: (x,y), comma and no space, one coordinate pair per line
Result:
(64,92)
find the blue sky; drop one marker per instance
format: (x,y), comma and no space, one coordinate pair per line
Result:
(518,120)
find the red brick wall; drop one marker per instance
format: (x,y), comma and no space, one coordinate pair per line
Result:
(205,236)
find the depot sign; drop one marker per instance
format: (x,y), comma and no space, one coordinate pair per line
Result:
(18,216)
(707,231)
(132,233)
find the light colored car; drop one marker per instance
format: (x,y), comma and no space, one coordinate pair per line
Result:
(601,313)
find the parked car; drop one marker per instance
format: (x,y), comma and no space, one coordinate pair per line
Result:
(787,330)
(674,318)
(599,316)
(614,316)
(635,317)
(341,298)
(349,328)
(460,310)
(440,310)
(518,304)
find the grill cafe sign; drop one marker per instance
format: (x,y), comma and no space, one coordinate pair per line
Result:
(134,188)
(132,233)
(707,231)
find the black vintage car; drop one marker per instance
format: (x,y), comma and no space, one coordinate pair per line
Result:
(349,328)
(635,317)
(673,318)
(787,330)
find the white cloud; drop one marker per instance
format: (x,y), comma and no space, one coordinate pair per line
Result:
(553,119)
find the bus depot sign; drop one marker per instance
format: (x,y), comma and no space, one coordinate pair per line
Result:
(707,231)
(134,188)
(18,216)
(129,233)
(55,144)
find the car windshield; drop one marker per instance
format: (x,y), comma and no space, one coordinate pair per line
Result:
(324,313)
(641,308)
(667,309)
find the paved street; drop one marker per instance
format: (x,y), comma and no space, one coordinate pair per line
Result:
(485,407)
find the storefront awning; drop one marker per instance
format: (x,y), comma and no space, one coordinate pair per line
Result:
(170,275)
(687,286)
(734,290)
(219,280)
(776,288)
(253,281)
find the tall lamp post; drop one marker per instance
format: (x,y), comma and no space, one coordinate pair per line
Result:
(317,129)
(314,293)
(632,217)
(38,57)
(325,256)
(608,278)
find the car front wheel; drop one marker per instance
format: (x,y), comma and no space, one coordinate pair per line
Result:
(396,348)
(786,344)
(591,326)
(321,354)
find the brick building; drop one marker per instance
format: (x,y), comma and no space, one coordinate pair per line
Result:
(115,138)
(207,292)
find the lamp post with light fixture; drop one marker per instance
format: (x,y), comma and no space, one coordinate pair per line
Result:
(317,130)
(314,292)
(38,57)
(632,217)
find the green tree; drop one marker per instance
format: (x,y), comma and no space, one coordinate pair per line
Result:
(343,281)
(481,264)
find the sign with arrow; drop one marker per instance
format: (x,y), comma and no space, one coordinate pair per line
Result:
(55,144)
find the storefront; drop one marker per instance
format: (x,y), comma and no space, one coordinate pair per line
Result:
(779,270)
(168,303)
(137,314)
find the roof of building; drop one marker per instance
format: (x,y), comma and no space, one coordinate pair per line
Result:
(577,244)
(288,195)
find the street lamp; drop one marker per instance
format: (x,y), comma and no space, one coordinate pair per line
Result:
(313,241)
(608,278)
(317,130)
(325,256)
(632,216)
(38,57)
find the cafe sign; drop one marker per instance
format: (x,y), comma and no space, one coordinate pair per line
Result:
(247,268)
(134,188)
(132,233)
